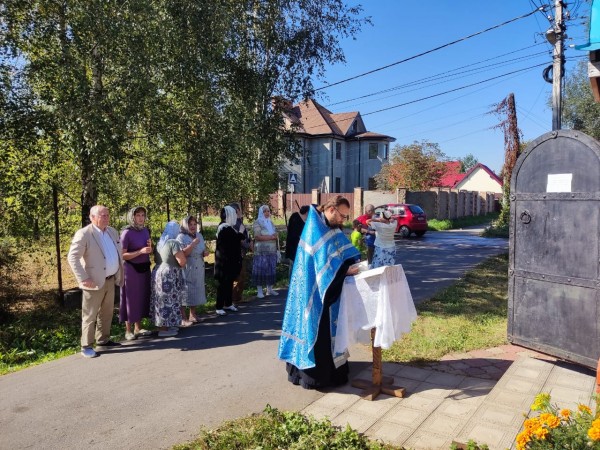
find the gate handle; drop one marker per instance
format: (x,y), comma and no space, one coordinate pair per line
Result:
(525,217)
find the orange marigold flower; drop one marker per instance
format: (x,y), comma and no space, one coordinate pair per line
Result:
(594,433)
(584,408)
(531,423)
(551,420)
(565,413)
(540,432)
(522,439)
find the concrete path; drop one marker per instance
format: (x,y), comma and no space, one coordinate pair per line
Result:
(442,408)
(153,393)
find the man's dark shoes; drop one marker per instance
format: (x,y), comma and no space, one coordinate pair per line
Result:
(108,344)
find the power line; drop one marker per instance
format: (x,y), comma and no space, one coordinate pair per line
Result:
(445,77)
(453,90)
(431,51)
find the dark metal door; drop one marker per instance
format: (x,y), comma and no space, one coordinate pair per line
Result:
(554,281)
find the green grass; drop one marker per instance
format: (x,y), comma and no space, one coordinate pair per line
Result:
(468,315)
(274,430)
(447,224)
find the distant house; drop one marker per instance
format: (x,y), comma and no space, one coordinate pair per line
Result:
(479,178)
(338,153)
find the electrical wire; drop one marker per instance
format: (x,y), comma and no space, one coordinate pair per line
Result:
(428,51)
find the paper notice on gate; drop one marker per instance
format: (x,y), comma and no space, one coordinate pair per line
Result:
(559,182)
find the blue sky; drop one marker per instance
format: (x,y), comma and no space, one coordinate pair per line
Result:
(457,121)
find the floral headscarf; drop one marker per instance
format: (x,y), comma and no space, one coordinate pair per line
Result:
(185,225)
(131,218)
(171,232)
(265,223)
(230,219)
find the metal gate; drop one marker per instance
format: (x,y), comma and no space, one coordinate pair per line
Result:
(554,280)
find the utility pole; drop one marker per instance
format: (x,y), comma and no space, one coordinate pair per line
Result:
(556,34)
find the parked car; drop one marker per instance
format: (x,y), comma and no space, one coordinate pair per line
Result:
(410,218)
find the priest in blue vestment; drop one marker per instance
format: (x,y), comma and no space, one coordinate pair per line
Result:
(324,258)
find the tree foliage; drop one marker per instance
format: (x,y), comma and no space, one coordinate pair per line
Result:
(417,166)
(468,162)
(165,104)
(580,111)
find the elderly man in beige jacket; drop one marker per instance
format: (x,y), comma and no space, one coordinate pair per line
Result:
(95,259)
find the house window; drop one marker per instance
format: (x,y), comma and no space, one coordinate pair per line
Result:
(386,150)
(372,184)
(373,151)
(308,155)
(353,127)
(338,150)
(338,184)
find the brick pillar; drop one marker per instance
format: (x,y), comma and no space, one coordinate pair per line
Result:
(314,199)
(401,195)
(358,202)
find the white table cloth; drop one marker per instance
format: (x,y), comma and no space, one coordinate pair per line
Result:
(378,298)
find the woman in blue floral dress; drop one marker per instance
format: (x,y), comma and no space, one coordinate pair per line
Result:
(168,282)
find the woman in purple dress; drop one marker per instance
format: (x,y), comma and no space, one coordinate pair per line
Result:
(135,290)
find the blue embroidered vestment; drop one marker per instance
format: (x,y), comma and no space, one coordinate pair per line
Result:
(322,250)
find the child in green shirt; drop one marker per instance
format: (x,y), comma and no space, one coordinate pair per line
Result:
(356,236)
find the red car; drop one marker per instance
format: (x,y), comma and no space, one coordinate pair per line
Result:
(410,218)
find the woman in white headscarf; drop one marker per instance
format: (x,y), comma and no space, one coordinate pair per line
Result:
(228,259)
(385,247)
(194,248)
(264,263)
(168,282)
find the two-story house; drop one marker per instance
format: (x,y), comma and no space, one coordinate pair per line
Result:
(338,153)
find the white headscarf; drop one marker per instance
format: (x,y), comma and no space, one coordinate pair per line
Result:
(171,232)
(265,223)
(230,219)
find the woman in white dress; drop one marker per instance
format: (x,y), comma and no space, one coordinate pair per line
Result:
(385,247)
(194,248)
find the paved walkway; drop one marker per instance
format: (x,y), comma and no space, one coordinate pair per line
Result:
(481,395)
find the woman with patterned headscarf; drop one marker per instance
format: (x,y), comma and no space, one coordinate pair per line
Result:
(264,263)
(228,259)
(135,289)
(194,248)
(168,283)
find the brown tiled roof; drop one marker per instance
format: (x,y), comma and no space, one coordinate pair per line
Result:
(373,135)
(316,119)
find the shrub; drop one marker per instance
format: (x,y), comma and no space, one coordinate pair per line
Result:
(556,428)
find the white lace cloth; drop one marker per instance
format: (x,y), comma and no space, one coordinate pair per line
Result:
(379,298)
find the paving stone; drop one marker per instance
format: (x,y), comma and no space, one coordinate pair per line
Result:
(408,417)
(445,379)
(389,432)
(497,438)
(421,402)
(474,371)
(360,422)
(414,373)
(443,424)
(433,390)
(321,412)
(462,409)
(426,440)
(499,415)
(472,384)
(375,408)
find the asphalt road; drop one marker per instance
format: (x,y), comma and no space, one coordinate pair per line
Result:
(154,393)
(440,258)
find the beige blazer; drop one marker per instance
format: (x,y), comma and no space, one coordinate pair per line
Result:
(87,259)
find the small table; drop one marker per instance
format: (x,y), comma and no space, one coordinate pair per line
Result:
(378,300)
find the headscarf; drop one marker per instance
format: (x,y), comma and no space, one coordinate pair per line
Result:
(230,219)
(131,225)
(185,226)
(171,232)
(265,223)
